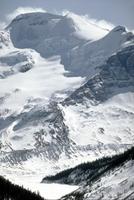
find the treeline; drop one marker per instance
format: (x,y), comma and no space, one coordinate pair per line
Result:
(10,191)
(90,170)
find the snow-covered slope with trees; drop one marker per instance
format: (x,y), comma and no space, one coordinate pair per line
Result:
(117,184)
(108,178)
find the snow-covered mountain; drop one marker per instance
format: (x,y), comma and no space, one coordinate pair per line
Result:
(52,35)
(49,34)
(64,98)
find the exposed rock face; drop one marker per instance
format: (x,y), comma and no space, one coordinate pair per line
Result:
(115,76)
(49,34)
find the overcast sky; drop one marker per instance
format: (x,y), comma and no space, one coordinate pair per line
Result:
(118,12)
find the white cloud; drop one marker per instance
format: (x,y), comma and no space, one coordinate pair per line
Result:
(101,23)
(88,27)
(23,10)
(130,30)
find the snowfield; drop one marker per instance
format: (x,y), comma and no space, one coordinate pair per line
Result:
(39,84)
(102,124)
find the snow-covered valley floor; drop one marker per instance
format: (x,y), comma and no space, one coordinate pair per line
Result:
(32,181)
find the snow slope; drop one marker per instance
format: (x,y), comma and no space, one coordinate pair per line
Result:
(94,125)
(27,90)
(117,184)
